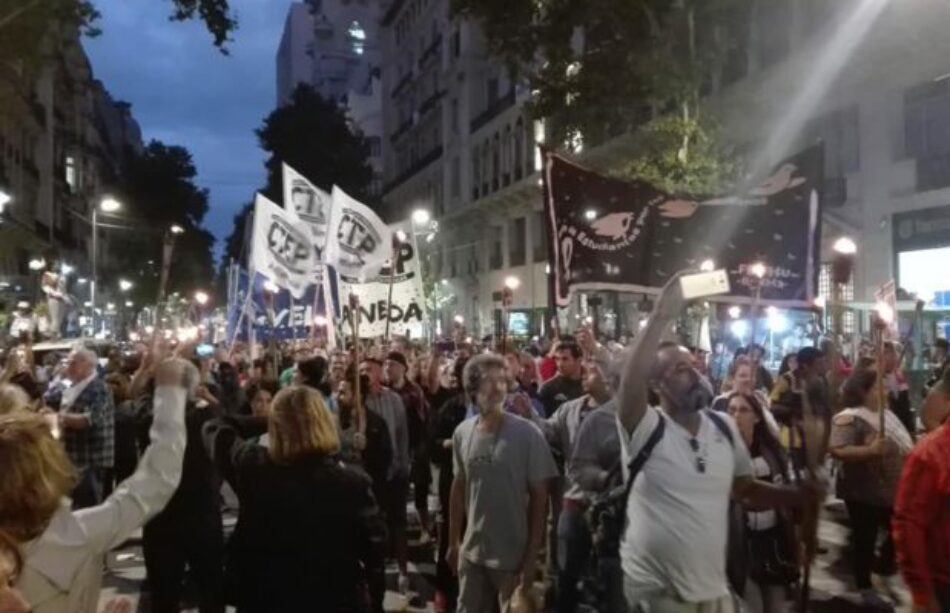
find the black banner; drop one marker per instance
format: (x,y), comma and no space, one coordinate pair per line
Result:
(609,234)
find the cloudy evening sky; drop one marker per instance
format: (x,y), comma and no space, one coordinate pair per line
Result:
(184,91)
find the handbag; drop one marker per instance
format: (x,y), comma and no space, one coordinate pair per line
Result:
(771,558)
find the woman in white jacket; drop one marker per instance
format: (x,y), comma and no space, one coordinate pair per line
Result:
(63,550)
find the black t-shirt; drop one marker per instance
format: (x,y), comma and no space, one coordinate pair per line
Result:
(557,391)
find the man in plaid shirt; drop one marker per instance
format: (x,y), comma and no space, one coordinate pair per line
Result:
(87,423)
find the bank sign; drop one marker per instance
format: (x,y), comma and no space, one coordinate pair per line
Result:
(921,229)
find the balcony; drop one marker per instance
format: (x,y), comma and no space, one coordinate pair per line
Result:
(403,82)
(429,103)
(494,109)
(420,164)
(402,129)
(431,50)
(835,192)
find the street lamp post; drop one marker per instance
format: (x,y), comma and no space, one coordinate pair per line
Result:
(842,267)
(107,205)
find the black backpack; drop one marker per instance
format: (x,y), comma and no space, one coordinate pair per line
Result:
(606,516)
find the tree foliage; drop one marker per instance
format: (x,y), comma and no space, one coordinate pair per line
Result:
(157,190)
(26,25)
(601,68)
(234,247)
(313,136)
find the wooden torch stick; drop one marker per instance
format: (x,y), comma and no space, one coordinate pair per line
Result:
(357,392)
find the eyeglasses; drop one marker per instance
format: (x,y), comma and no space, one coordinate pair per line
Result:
(700,461)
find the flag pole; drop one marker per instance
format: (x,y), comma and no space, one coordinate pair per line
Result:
(392,281)
(355,331)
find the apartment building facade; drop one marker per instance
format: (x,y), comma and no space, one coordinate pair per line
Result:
(459,144)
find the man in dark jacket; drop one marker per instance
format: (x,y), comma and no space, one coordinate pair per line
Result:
(189,530)
(375,453)
(417,418)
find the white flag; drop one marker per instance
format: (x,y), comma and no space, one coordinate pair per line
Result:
(358,242)
(281,251)
(309,203)
(406,310)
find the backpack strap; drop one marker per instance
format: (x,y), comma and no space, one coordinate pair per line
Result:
(636,464)
(721,425)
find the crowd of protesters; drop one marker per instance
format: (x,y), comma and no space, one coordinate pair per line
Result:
(620,477)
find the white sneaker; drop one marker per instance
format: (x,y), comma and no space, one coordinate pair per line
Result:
(403,584)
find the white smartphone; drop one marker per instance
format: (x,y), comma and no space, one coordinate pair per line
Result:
(705,284)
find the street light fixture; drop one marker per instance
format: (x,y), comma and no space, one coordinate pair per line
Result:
(590,214)
(129,304)
(845,246)
(201,297)
(125,285)
(176,229)
(109,205)
(37,264)
(421,217)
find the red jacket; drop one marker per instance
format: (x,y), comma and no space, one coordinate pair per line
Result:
(922,516)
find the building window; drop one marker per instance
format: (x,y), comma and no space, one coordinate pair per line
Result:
(847,294)
(539,238)
(357,38)
(535,137)
(495,161)
(927,133)
(506,157)
(773,23)
(473,259)
(927,120)
(839,130)
(486,169)
(492,90)
(457,42)
(455,178)
(72,176)
(374,146)
(519,149)
(476,174)
(496,259)
(516,242)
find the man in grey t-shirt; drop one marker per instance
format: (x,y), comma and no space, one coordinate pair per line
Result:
(502,466)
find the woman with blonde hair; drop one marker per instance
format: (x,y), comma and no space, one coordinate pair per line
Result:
(64,551)
(308,529)
(12,398)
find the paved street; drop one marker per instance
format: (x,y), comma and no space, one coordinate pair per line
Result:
(830,584)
